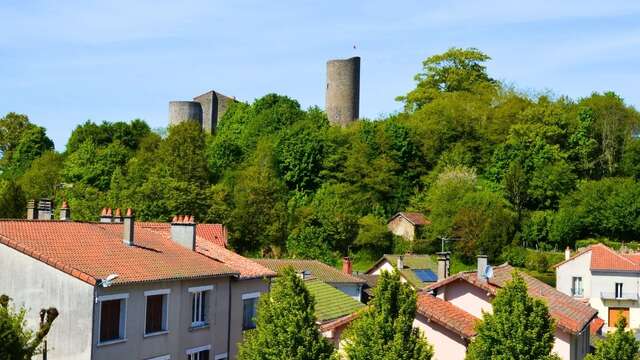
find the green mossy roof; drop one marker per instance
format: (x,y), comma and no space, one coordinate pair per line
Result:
(331,303)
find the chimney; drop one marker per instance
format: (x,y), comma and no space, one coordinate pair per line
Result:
(117,217)
(443,265)
(482,266)
(567,253)
(65,211)
(400,264)
(105,216)
(45,208)
(31,210)
(183,231)
(128,227)
(346,265)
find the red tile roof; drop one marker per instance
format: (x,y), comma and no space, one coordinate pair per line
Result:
(570,314)
(446,314)
(215,233)
(93,251)
(415,218)
(596,325)
(211,241)
(606,259)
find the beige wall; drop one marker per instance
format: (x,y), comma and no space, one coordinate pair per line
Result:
(35,285)
(466,296)
(179,337)
(401,227)
(447,345)
(238,288)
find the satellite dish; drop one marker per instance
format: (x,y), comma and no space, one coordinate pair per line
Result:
(107,282)
(488,272)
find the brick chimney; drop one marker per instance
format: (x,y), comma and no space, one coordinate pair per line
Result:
(106,215)
(346,265)
(183,231)
(117,216)
(128,228)
(31,210)
(443,265)
(65,211)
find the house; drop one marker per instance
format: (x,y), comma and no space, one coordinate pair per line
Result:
(448,310)
(407,224)
(341,280)
(419,271)
(606,279)
(334,309)
(131,290)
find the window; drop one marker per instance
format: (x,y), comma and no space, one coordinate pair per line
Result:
(157,311)
(200,305)
(113,314)
(576,286)
(618,290)
(615,314)
(249,305)
(222,356)
(200,353)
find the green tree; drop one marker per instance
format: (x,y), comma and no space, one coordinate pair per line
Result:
(384,330)
(286,325)
(17,342)
(12,199)
(619,344)
(183,155)
(520,327)
(44,176)
(452,71)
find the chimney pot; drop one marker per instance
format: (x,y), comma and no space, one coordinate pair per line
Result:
(105,215)
(400,264)
(567,253)
(31,210)
(183,232)
(346,265)
(482,266)
(443,265)
(128,228)
(65,211)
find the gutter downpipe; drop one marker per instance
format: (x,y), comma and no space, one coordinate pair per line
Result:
(229,322)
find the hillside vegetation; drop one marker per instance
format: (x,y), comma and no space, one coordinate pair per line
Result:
(493,168)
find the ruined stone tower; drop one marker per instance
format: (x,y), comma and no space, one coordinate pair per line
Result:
(343,90)
(206,109)
(214,105)
(181,111)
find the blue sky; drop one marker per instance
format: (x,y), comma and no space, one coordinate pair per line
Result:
(63,62)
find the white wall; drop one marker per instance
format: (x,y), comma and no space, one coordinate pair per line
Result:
(579,266)
(467,297)
(36,285)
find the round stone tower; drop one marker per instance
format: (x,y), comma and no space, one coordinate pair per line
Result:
(343,90)
(181,111)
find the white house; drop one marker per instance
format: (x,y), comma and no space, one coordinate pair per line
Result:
(608,280)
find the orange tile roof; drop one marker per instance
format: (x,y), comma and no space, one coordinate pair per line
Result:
(215,233)
(570,314)
(93,251)
(415,218)
(446,314)
(596,325)
(606,259)
(211,240)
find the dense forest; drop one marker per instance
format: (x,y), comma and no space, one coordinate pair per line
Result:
(492,167)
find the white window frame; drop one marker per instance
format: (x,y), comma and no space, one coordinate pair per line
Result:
(165,311)
(248,296)
(223,356)
(198,349)
(163,357)
(123,297)
(200,290)
(618,296)
(577,292)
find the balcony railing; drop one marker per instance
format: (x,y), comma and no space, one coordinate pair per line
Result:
(624,296)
